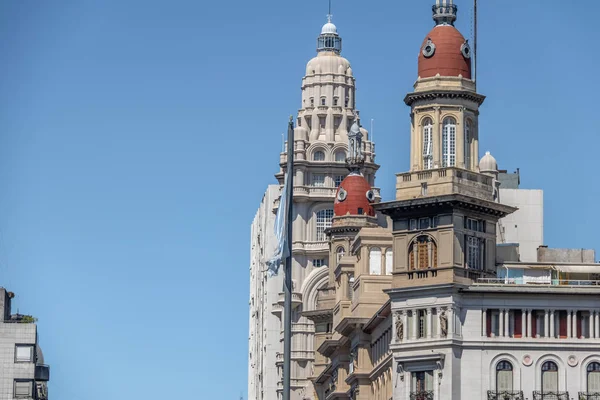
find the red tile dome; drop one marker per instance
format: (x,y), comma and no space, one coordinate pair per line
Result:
(354,197)
(446,52)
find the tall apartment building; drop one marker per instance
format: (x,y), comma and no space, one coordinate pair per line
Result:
(23,374)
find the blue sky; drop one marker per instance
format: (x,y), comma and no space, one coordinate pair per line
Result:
(137,138)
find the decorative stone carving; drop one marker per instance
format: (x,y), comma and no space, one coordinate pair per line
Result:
(399,327)
(444,323)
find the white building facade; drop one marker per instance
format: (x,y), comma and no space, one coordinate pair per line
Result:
(328,110)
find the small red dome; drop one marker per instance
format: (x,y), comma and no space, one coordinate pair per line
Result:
(448,58)
(354,197)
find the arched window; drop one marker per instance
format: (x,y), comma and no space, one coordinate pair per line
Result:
(422,253)
(389,261)
(375,261)
(319,156)
(340,156)
(504,377)
(449,142)
(593,378)
(468,137)
(427,144)
(340,253)
(549,377)
(323,222)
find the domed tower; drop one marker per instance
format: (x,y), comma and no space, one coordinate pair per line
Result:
(444,104)
(446,209)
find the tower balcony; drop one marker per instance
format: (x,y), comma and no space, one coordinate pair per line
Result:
(308,193)
(296,299)
(443,181)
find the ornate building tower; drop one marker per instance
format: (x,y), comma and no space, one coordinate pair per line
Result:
(445,214)
(326,114)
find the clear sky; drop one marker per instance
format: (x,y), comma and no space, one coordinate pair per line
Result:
(137,138)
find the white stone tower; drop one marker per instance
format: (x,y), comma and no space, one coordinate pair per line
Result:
(321,136)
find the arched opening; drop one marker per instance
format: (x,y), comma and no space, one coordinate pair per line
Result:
(375,261)
(389,261)
(422,253)
(319,155)
(449,142)
(340,156)
(427,144)
(504,377)
(593,378)
(549,377)
(340,253)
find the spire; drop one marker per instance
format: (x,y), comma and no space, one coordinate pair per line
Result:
(356,158)
(329,40)
(444,12)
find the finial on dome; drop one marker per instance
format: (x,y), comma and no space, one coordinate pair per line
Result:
(444,12)
(329,40)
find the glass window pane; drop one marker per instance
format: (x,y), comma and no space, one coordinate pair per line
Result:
(24,353)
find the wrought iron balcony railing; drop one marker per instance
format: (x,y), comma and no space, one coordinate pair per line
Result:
(422,395)
(505,395)
(543,395)
(589,395)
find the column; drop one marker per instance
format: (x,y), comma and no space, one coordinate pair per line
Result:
(484,322)
(415,317)
(546,323)
(552,330)
(529,323)
(523,323)
(597,324)
(405,321)
(506,323)
(451,321)
(575,333)
(569,330)
(437,138)
(501,322)
(429,323)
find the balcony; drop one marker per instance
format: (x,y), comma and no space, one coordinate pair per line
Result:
(523,281)
(589,395)
(296,299)
(505,395)
(422,395)
(539,395)
(42,373)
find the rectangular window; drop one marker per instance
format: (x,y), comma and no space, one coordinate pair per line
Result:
(323,222)
(322,122)
(312,101)
(495,322)
(422,382)
(413,224)
(23,389)
(473,258)
(335,101)
(424,223)
(338,180)
(435,222)
(318,180)
(422,323)
(318,262)
(323,101)
(24,353)
(518,324)
(299,121)
(424,189)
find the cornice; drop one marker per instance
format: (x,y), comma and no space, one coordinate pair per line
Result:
(430,95)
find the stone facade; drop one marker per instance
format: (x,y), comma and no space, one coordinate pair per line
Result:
(23,374)
(327,112)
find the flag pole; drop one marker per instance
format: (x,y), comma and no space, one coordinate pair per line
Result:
(287,306)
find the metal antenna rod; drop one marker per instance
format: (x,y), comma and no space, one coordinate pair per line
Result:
(475,41)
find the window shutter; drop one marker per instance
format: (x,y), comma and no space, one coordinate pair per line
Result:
(550,381)
(504,381)
(562,327)
(579,331)
(488,324)
(593,382)
(429,380)
(375,261)
(518,315)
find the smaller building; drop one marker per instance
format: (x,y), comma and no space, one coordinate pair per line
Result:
(24,374)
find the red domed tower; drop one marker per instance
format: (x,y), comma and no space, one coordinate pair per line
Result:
(444,50)
(354,196)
